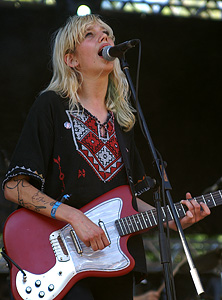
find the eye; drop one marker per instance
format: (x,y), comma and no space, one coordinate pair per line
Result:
(106,32)
(89,33)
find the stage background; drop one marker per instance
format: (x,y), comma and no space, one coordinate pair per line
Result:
(179,91)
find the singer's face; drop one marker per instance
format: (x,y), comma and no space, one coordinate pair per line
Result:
(88,58)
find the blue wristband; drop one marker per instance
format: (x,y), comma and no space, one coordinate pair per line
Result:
(54,209)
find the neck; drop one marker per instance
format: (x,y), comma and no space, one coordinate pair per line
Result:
(92,96)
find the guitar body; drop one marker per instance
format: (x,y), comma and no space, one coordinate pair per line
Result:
(45,250)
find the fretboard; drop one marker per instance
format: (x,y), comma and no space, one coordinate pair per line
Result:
(148,219)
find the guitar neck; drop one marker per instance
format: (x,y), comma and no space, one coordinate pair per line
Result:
(148,219)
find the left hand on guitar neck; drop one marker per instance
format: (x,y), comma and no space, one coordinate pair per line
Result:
(195,213)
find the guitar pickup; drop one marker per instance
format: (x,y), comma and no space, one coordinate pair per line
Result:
(102,225)
(76,242)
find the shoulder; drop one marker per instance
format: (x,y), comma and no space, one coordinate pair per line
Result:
(121,132)
(50,98)
(49,102)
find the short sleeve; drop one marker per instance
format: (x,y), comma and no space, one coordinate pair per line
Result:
(33,150)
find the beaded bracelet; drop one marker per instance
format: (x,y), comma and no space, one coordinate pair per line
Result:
(54,209)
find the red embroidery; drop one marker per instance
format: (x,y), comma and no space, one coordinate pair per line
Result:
(102,153)
(61,175)
(82,173)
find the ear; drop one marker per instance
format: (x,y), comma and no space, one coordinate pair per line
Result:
(70,60)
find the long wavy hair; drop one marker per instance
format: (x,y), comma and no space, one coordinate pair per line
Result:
(66,81)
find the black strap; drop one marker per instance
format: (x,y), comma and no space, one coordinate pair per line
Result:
(124,148)
(124,141)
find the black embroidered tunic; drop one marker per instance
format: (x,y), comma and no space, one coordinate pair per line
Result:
(70,153)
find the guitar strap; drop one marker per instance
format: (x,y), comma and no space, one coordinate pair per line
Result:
(135,244)
(125,140)
(124,144)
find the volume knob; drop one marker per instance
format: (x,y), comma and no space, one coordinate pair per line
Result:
(38,283)
(51,287)
(41,294)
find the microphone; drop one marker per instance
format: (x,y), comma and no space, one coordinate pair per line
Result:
(111,52)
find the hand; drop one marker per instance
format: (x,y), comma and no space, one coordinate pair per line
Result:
(195,213)
(88,232)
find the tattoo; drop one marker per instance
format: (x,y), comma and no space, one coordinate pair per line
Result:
(38,200)
(38,197)
(15,184)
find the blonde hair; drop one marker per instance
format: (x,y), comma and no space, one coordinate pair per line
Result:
(66,81)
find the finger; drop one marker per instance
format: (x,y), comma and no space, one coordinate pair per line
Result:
(205,208)
(100,244)
(87,243)
(188,195)
(189,205)
(105,240)
(93,245)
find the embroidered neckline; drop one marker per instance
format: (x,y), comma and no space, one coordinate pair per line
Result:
(110,115)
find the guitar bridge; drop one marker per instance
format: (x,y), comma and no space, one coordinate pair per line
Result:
(58,246)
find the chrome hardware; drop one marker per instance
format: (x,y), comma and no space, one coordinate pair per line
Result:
(103,226)
(76,242)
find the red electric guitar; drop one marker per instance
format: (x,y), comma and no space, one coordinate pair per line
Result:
(52,258)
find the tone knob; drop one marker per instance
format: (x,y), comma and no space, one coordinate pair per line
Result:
(28,290)
(38,283)
(41,294)
(51,287)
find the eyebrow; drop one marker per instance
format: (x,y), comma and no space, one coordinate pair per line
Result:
(90,27)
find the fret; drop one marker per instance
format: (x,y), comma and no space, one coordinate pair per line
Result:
(155,222)
(139,218)
(133,229)
(208,201)
(220,194)
(148,218)
(181,210)
(125,224)
(176,211)
(164,215)
(145,221)
(121,227)
(171,216)
(213,199)
(135,222)
(204,199)
(136,217)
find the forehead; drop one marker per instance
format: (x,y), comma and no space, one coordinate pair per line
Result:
(98,26)
(94,26)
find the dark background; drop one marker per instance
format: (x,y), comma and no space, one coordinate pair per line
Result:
(179,90)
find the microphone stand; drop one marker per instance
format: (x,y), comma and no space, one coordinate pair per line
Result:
(161,173)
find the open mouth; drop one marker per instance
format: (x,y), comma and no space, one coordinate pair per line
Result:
(101,49)
(100,52)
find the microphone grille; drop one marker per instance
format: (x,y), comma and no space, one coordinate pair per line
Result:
(105,53)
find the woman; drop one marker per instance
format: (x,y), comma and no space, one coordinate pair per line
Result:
(69,148)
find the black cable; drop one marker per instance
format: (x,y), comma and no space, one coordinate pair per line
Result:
(8,259)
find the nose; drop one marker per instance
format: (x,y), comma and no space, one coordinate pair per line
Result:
(103,37)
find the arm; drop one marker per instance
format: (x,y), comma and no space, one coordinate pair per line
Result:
(20,191)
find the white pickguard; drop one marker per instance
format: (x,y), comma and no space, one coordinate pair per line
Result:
(110,259)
